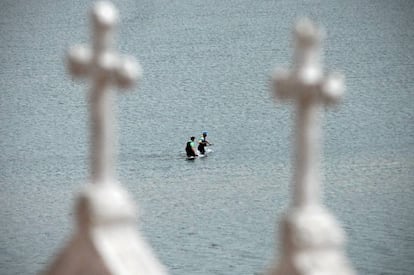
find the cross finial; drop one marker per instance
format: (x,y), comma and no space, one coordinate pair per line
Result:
(307,78)
(307,85)
(106,240)
(312,239)
(105,68)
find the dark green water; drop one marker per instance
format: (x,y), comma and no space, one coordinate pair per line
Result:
(207,66)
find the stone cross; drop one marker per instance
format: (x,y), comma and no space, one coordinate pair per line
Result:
(105,68)
(311,237)
(106,240)
(310,89)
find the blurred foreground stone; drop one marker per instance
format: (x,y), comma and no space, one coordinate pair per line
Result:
(312,238)
(106,240)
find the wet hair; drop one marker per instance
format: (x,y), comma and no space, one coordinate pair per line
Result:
(192,138)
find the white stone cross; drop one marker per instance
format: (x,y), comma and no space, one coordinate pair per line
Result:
(105,240)
(310,88)
(105,68)
(312,240)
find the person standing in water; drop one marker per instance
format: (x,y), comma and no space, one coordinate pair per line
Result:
(190,148)
(202,143)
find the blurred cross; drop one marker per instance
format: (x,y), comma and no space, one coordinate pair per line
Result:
(106,240)
(312,238)
(105,68)
(309,88)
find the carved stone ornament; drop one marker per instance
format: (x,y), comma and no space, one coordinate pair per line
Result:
(106,240)
(312,238)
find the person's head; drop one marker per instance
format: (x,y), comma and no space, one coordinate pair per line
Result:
(192,138)
(204,133)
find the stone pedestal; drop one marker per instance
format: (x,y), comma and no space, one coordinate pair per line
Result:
(106,240)
(312,244)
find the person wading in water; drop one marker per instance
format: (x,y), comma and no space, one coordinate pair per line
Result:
(190,148)
(202,143)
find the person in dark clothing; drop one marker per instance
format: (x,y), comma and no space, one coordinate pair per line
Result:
(202,143)
(190,148)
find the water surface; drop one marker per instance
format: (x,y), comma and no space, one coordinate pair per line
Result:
(206,67)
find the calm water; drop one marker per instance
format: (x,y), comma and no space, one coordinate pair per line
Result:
(206,67)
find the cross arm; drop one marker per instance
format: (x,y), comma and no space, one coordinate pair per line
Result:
(333,88)
(79,60)
(124,71)
(127,72)
(330,88)
(283,84)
